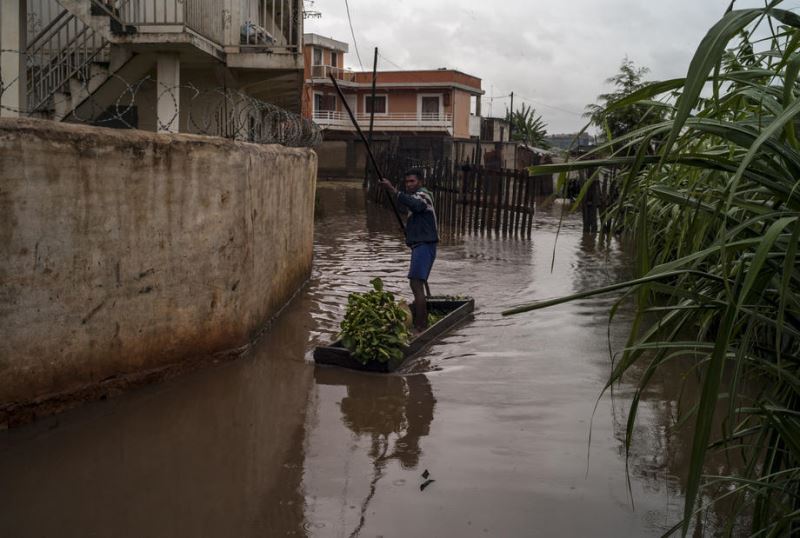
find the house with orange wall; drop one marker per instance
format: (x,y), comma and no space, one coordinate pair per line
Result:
(424,111)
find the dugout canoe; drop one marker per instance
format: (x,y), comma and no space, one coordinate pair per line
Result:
(456,310)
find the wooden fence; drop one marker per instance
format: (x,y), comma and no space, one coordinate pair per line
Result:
(472,199)
(600,194)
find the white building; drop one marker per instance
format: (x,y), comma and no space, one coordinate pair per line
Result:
(152,64)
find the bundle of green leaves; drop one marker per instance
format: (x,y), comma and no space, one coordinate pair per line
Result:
(374,325)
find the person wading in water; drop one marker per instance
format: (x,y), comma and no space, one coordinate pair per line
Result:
(421,235)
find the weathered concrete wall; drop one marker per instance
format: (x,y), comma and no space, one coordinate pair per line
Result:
(333,158)
(124,251)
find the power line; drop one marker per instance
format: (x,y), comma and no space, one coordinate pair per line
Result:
(355,45)
(388,60)
(496,97)
(539,103)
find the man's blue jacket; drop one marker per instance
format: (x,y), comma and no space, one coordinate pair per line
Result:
(421,225)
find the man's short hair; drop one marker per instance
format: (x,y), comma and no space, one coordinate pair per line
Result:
(415,172)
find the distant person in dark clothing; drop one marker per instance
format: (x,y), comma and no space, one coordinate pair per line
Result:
(421,235)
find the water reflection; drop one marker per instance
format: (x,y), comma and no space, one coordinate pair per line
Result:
(394,411)
(218,452)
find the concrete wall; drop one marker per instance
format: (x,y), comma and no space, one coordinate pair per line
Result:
(124,251)
(334,159)
(460,110)
(403,103)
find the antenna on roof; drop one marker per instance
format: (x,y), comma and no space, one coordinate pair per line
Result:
(310,13)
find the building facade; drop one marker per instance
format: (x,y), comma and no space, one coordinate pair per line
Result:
(421,113)
(159,61)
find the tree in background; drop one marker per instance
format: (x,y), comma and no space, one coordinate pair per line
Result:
(617,122)
(527,126)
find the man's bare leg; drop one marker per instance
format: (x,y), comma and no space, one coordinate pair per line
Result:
(420,305)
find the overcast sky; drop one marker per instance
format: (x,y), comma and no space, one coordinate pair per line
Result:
(554,55)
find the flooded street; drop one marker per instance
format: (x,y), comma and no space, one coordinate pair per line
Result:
(498,413)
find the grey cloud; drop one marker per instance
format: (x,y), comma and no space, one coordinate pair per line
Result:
(556,53)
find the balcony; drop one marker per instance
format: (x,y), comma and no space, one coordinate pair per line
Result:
(340,121)
(340,74)
(261,25)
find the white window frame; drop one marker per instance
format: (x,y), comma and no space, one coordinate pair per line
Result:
(334,54)
(314,103)
(314,56)
(384,95)
(419,104)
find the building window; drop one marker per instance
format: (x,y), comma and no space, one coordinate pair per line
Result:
(317,57)
(429,107)
(324,104)
(379,104)
(334,59)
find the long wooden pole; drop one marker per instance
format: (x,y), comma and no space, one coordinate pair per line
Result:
(375,166)
(372,111)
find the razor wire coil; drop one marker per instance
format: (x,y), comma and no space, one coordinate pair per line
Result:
(215,111)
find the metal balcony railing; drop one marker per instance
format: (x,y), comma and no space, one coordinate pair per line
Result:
(262,23)
(205,17)
(332,119)
(324,71)
(271,23)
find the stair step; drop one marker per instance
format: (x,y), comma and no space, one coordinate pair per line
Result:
(62,105)
(118,29)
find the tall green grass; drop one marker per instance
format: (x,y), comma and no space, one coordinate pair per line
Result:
(712,199)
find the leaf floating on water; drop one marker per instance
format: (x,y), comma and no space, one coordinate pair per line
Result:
(426,474)
(426,484)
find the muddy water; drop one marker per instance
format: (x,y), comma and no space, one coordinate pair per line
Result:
(497,413)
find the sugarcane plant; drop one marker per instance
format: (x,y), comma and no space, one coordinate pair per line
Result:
(711,198)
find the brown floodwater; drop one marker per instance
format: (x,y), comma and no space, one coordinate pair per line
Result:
(497,414)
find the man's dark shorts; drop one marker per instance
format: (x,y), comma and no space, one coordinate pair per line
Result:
(422,256)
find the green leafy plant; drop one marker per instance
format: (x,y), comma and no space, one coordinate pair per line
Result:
(529,127)
(434,316)
(712,198)
(617,121)
(374,325)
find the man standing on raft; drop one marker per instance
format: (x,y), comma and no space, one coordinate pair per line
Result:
(421,236)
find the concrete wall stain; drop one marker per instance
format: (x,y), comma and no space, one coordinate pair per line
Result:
(125,251)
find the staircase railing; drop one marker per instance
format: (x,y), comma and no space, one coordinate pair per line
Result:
(65,49)
(42,16)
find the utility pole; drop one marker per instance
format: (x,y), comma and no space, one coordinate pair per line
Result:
(511,119)
(511,131)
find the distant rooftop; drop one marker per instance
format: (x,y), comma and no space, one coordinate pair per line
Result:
(327,42)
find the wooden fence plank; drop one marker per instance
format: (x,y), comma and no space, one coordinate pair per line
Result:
(467,198)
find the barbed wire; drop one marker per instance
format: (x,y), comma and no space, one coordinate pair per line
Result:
(109,100)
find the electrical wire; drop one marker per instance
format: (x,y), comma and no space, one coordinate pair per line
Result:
(352,32)
(389,61)
(539,103)
(495,97)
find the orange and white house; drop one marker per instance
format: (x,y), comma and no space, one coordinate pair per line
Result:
(434,104)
